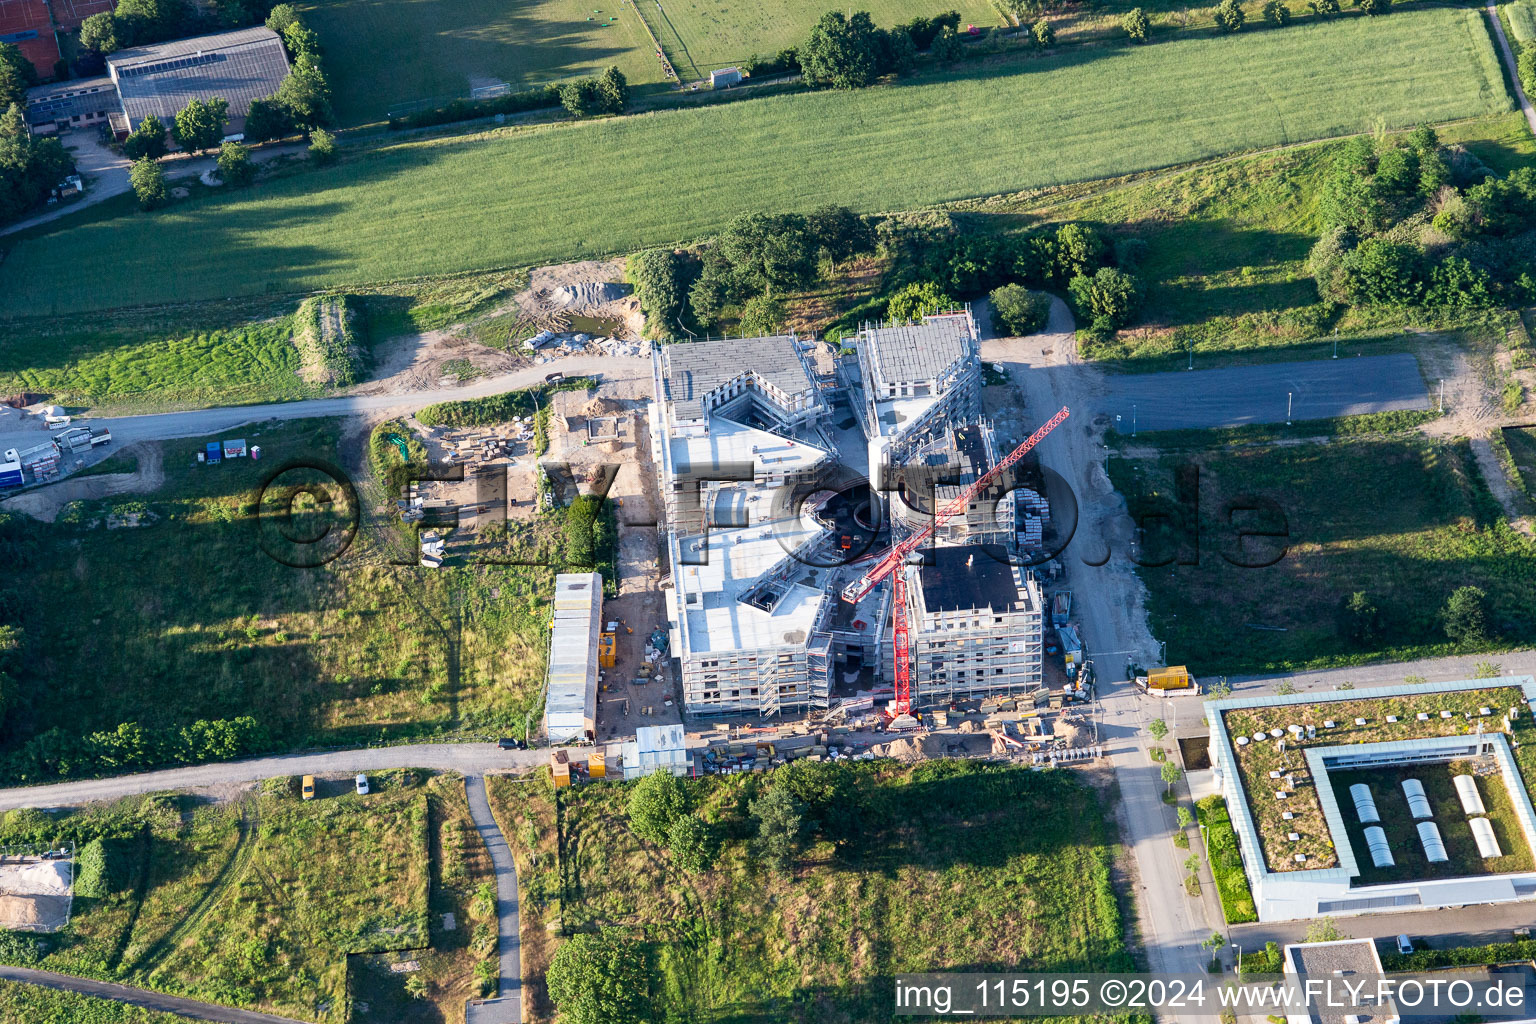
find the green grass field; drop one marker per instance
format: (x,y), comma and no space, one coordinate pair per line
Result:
(262,902)
(347,653)
(1405,509)
(382,57)
(520,197)
(946,865)
(700,35)
(45,1006)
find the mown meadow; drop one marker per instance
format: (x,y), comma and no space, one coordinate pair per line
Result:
(515,197)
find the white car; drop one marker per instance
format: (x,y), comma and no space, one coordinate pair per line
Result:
(362,784)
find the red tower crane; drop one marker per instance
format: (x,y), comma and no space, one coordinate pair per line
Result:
(897,555)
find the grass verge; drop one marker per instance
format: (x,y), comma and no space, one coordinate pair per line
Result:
(1226,862)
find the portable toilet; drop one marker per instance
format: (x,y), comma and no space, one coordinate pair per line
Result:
(597,766)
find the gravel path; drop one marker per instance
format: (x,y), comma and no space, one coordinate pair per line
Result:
(507,1008)
(141,997)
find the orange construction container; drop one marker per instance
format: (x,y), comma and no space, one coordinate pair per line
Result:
(560,768)
(607,650)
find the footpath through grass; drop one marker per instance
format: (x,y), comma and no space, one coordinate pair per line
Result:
(517,197)
(1405,519)
(948,865)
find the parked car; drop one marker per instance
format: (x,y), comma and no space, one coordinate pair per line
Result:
(362,784)
(553,378)
(307,790)
(507,743)
(1404,945)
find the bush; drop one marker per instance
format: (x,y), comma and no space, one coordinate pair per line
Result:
(1226,862)
(598,979)
(92,876)
(542,98)
(693,844)
(1230,16)
(235,165)
(1043,34)
(1109,298)
(915,301)
(656,275)
(1465,616)
(322,147)
(655,805)
(1019,310)
(1136,24)
(1276,14)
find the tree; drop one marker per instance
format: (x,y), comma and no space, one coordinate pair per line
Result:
(1230,16)
(1158,729)
(1136,24)
(1186,818)
(762,316)
(656,277)
(267,119)
(839,234)
(147,140)
(306,94)
(92,873)
(693,844)
(579,98)
(946,46)
(1276,14)
(1018,310)
(322,147)
(1362,620)
(780,827)
(1078,249)
(842,52)
(915,301)
(148,183)
(612,91)
(282,16)
(98,33)
(235,166)
(766,252)
(1043,34)
(149,21)
(200,124)
(598,979)
(1375,7)
(1109,298)
(1465,616)
(16,74)
(1171,773)
(1323,8)
(657,802)
(1382,273)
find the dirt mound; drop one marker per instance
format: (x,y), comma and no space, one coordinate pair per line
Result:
(585,294)
(968,727)
(1072,734)
(914,748)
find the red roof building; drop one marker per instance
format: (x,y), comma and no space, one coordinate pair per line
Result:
(26,23)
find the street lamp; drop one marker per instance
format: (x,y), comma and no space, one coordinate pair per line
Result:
(1205,839)
(1133,419)
(1288,397)
(1239,957)
(1191,343)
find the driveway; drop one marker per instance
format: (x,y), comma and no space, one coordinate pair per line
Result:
(140,997)
(507,1008)
(1266,393)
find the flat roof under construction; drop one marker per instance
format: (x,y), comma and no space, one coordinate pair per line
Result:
(973,576)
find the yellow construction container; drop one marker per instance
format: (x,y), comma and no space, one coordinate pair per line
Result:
(560,768)
(1174,677)
(597,768)
(607,650)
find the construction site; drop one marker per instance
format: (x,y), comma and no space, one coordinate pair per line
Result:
(844,545)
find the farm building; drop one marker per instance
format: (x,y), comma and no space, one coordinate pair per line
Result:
(241,66)
(570,706)
(27,25)
(1349,804)
(724,78)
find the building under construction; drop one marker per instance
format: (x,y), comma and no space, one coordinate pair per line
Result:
(766,475)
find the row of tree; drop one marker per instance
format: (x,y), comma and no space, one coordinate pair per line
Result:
(131,746)
(1408,222)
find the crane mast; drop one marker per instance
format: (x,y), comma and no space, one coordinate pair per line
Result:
(893,559)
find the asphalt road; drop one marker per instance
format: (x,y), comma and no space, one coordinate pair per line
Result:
(507,1008)
(1237,395)
(139,997)
(204,422)
(465,758)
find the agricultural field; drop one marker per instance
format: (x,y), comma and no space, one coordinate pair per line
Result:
(391,57)
(1403,508)
(1227,243)
(45,1006)
(701,35)
(191,587)
(949,864)
(270,902)
(524,196)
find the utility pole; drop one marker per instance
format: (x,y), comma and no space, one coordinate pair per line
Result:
(1335,343)
(1133,419)
(1442,395)
(1288,396)
(1191,343)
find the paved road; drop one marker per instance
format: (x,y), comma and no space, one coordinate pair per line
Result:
(465,758)
(1233,396)
(139,997)
(198,423)
(1509,63)
(507,1008)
